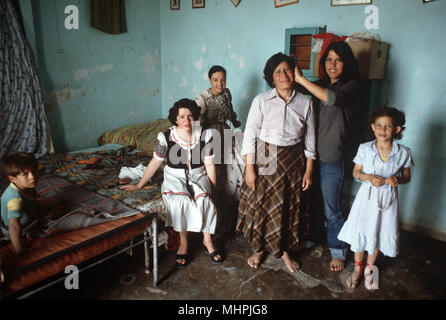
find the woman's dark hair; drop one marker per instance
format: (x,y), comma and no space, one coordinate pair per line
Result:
(398,117)
(183,103)
(18,162)
(343,50)
(272,64)
(215,69)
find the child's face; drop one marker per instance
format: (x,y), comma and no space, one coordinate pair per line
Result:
(26,179)
(218,82)
(384,129)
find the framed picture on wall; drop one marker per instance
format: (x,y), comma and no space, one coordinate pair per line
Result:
(197,3)
(174,4)
(349,2)
(281,3)
(235,2)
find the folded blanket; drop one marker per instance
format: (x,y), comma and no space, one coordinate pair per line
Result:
(132,173)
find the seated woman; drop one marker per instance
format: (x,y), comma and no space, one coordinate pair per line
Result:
(189,178)
(281,124)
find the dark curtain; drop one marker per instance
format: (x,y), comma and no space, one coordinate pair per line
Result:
(108,16)
(23,125)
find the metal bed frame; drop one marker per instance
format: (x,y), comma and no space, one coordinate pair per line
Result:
(146,238)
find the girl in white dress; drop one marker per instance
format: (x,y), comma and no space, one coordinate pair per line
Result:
(189,179)
(381,165)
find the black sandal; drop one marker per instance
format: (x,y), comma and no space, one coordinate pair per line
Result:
(212,255)
(181,265)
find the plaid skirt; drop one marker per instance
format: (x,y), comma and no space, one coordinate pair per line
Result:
(275,216)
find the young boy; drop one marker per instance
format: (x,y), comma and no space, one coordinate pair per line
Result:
(18,206)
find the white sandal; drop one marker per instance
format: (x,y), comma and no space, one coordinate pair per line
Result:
(371,277)
(353,281)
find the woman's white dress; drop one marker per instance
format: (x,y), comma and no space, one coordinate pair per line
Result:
(373,219)
(186,192)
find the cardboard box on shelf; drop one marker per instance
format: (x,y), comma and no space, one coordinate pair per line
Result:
(371,56)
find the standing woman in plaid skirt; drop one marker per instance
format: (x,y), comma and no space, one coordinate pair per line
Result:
(279,148)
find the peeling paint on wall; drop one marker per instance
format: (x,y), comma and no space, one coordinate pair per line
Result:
(57,97)
(104,68)
(173,68)
(199,64)
(244,95)
(203,48)
(85,74)
(81,74)
(146,92)
(169,98)
(242,63)
(150,62)
(183,82)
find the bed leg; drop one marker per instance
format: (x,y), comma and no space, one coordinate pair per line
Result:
(2,278)
(155,249)
(130,250)
(146,253)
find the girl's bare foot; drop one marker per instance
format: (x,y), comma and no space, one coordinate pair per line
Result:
(336,265)
(291,264)
(255,259)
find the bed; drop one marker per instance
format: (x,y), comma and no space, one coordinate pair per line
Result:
(118,220)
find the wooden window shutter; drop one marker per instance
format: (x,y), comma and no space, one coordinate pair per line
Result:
(108,16)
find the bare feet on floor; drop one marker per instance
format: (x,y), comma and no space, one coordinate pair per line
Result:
(290,263)
(336,265)
(255,260)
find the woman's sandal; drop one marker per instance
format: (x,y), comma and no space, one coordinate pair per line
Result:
(182,257)
(351,281)
(371,277)
(212,256)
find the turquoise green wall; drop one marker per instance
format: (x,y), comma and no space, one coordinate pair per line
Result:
(94,81)
(242,38)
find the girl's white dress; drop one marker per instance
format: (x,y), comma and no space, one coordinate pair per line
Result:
(373,219)
(186,191)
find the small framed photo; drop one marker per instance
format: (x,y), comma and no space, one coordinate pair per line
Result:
(174,4)
(235,2)
(281,3)
(349,2)
(197,3)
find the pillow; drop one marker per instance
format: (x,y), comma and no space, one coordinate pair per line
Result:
(142,136)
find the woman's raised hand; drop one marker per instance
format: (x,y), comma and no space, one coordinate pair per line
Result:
(297,74)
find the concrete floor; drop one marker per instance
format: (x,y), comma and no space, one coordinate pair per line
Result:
(419,272)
